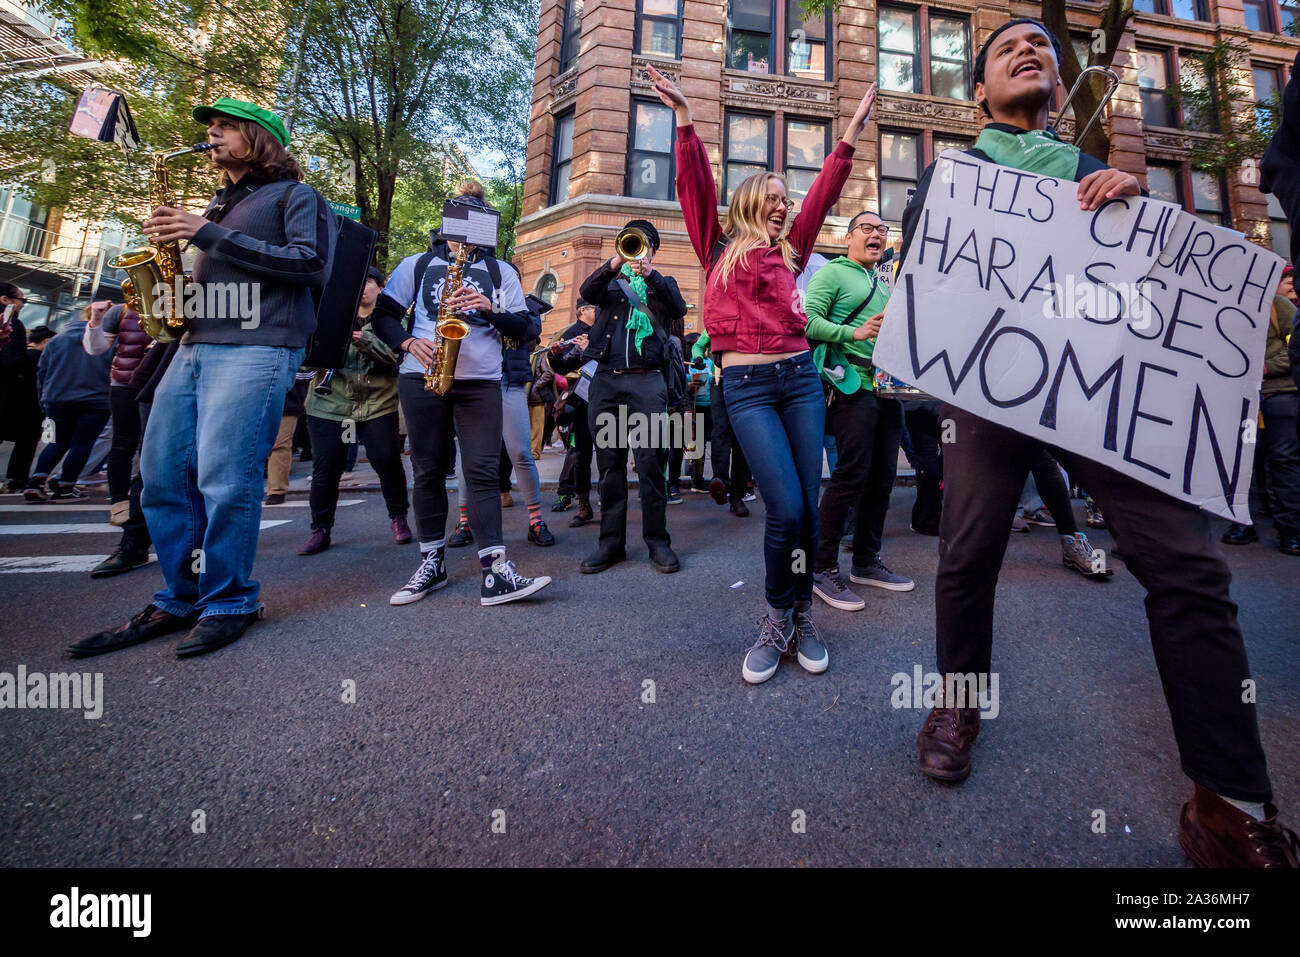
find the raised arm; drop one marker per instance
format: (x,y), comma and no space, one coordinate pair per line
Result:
(696,190)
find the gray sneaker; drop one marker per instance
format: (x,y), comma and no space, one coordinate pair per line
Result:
(1077,553)
(773,641)
(878,576)
(812,654)
(829,587)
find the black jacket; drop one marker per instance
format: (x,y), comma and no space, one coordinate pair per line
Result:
(664,305)
(912,214)
(570,360)
(1280,167)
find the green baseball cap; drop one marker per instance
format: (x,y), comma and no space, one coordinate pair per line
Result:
(244,110)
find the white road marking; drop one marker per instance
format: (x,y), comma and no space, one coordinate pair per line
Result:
(50,508)
(53,563)
(92,528)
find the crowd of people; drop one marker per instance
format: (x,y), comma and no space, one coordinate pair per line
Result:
(782,381)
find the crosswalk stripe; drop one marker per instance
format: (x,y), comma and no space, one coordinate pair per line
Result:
(92,528)
(53,563)
(50,508)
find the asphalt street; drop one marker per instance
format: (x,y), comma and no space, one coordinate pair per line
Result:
(525,734)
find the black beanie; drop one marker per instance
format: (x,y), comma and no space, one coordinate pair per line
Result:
(982,56)
(647,228)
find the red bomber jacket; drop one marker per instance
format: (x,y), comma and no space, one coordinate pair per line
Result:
(759,310)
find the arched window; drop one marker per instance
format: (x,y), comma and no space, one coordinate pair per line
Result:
(547,287)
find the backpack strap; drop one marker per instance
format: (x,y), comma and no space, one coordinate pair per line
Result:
(421,267)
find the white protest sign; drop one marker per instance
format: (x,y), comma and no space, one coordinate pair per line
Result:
(1132,335)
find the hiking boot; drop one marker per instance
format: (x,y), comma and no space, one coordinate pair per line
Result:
(1077,553)
(762,659)
(429,577)
(944,744)
(503,583)
(810,650)
(830,587)
(507,501)
(319,541)
(584,513)
(1214,833)
(663,558)
(877,575)
(461,536)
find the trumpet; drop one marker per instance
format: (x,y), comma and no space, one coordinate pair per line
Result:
(632,244)
(1112,84)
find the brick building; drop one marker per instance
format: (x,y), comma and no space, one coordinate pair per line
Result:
(770,90)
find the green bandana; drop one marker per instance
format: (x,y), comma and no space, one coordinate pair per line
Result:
(1035,151)
(637,321)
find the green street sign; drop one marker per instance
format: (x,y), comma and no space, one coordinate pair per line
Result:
(351,212)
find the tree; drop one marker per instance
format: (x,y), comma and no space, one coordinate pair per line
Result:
(1239,128)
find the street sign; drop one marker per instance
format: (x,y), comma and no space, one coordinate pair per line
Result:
(351,212)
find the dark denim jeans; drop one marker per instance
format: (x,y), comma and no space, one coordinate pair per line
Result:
(778,415)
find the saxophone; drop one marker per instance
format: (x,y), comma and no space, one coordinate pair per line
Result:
(449,330)
(150,286)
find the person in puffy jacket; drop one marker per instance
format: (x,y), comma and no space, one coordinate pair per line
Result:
(755,323)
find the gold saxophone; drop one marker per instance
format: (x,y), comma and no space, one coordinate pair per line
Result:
(449,330)
(150,286)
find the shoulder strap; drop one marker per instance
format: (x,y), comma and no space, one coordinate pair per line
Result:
(421,267)
(494,270)
(875,284)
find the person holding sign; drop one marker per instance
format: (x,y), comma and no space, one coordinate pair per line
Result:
(1167,544)
(845,303)
(756,327)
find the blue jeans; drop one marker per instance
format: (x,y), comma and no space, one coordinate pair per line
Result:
(214,420)
(779,416)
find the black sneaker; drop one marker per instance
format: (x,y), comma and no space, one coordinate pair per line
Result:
(124,559)
(564,503)
(674,495)
(430,576)
(503,583)
(461,537)
(36,493)
(151,623)
(539,534)
(65,493)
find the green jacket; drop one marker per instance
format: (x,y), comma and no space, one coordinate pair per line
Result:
(839,288)
(1277,364)
(364,389)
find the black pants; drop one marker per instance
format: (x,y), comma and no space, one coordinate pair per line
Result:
(575,476)
(1168,545)
(922,420)
(504,467)
(135,533)
(76,428)
(643,394)
(472,410)
(1281,444)
(727,457)
(330,454)
(127,433)
(1054,492)
(20,459)
(866,429)
(701,437)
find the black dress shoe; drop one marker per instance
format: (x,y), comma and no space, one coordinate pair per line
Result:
(601,559)
(664,558)
(1240,535)
(215,631)
(739,508)
(275,498)
(151,623)
(122,560)
(1288,542)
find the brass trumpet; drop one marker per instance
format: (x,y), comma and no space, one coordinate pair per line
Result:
(632,244)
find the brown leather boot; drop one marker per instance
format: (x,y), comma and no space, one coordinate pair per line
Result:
(584,514)
(1213,833)
(944,744)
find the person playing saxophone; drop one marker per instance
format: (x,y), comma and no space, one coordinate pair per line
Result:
(491,301)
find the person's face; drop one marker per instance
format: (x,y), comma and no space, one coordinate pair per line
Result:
(1287,287)
(39,346)
(370,295)
(587,314)
(228,143)
(775,208)
(1020,72)
(867,239)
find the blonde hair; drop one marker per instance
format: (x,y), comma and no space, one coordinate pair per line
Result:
(746,227)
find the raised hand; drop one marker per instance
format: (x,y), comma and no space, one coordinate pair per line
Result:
(670,95)
(860,116)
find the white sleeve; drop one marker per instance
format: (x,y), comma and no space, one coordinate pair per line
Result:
(95,341)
